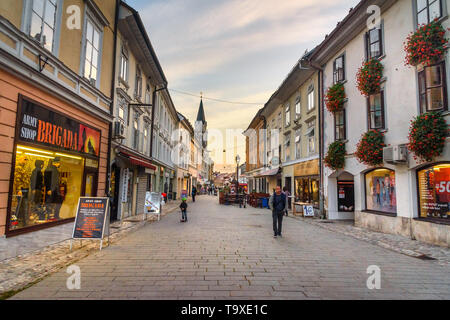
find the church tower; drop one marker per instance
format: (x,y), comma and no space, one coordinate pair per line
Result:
(201,125)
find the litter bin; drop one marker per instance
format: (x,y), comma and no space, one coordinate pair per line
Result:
(265,202)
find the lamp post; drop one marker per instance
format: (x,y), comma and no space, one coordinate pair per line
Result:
(237,173)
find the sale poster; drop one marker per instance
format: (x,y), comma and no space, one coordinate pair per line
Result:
(434,191)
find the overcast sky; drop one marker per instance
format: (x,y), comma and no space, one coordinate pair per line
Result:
(234,50)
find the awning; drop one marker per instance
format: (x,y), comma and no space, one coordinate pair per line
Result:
(136,160)
(271,172)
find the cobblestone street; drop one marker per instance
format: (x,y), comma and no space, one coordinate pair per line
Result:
(225,252)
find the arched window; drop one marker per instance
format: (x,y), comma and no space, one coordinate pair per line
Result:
(433,184)
(380,191)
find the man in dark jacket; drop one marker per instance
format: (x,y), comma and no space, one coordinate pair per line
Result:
(277,203)
(194,193)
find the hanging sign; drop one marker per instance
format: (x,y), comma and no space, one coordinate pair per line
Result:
(125,178)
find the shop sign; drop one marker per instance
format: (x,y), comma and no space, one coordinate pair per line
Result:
(91,217)
(307,168)
(153,203)
(308,211)
(46,127)
(125,178)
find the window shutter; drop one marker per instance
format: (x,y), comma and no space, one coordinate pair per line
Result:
(383,124)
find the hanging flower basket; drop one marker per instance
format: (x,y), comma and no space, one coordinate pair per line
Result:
(335,158)
(369,77)
(427,45)
(427,136)
(370,148)
(335,97)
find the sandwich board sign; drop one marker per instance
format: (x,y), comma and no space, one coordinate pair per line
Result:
(92,219)
(153,203)
(308,211)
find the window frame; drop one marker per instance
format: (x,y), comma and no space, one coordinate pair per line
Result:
(336,78)
(96,27)
(368,43)
(27,13)
(287,115)
(443,86)
(383,113)
(124,57)
(311,94)
(343,125)
(138,82)
(298,104)
(298,134)
(427,8)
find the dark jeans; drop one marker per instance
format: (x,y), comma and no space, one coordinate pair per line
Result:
(277,221)
(184,214)
(193,197)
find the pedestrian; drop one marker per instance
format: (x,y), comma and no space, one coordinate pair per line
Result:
(194,193)
(183,207)
(277,203)
(287,194)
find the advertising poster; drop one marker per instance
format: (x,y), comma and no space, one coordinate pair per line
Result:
(434,192)
(381,190)
(91,218)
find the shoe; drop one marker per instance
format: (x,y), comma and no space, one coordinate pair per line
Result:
(274,235)
(280,235)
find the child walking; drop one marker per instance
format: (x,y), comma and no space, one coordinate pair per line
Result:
(183,207)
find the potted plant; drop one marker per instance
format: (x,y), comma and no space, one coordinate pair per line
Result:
(335,97)
(369,77)
(335,158)
(369,149)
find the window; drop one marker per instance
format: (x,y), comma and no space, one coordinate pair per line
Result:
(287,148)
(428,10)
(338,69)
(43,22)
(138,83)
(374,45)
(136,130)
(145,149)
(376,111)
(434,191)
(339,124)
(432,88)
(122,108)
(298,146)
(310,134)
(298,109)
(92,50)
(124,64)
(380,191)
(147,95)
(287,112)
(311,98)
(307,190)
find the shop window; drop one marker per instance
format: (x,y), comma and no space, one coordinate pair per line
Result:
(307,190)
(375,112)
(43,22)
(432,88)
(46,186)
(380,191)
(434,192)
(428,10)
(339,69)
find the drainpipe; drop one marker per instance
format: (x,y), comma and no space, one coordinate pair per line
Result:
(321,136)
(111,106)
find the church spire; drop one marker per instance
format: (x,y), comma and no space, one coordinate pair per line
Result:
(201,111)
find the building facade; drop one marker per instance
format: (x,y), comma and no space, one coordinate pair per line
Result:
(55,109)
(400,197)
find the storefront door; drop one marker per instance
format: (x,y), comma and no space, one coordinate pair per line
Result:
(346,196)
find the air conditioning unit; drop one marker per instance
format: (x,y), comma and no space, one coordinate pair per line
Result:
(119,130)
(395,154)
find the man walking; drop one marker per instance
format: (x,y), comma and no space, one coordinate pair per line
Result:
(194,193)
(277,203)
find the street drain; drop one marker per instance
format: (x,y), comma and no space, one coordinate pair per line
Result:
(425,257)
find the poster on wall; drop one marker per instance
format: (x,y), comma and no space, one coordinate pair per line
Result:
(434,192)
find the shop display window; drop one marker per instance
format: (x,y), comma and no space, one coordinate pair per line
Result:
(380,191)
(434,191)
(307,190)
(46,186)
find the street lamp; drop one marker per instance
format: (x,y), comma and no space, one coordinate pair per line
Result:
(237,173)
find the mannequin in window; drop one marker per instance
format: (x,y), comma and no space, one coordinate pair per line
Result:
(53,194)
